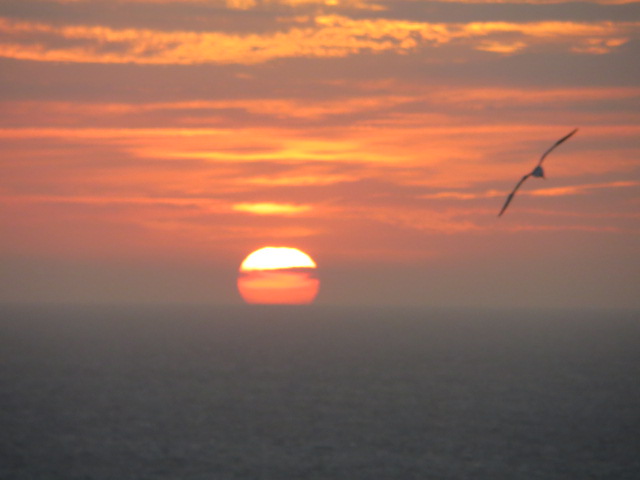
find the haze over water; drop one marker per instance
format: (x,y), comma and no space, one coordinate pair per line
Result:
(318,393)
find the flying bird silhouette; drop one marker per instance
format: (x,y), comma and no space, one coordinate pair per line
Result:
(536,172)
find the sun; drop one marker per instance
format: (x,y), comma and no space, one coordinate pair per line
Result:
(278,275)
(273,258)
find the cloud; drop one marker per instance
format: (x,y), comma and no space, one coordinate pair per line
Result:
(580,189)
(269,208)
(448,160)
(534,2)
(541,192)
(326,36)
(463,195)
(244,4)
(359,102)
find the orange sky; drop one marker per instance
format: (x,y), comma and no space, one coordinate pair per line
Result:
(148,146)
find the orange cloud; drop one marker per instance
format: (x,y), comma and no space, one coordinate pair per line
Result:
(301,180)
(365,104)
(196,162)
(542,192)
(248,4)
(537,2)
(268,208)
(329,36)
(511,97)
(463,195)
(496,46)
(580,189)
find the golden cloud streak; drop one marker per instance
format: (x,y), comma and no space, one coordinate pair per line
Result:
(330,36)
(580,189)
(537,2)
(301,180)
(362,4)
(501,47)
(313,109)
(280,108)
(450,158)
(248,4)
(268,208)
(463,195)
(543,192)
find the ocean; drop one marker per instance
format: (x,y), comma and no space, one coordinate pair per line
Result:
(318,393)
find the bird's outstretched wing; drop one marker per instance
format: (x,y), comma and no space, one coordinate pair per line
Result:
(510,197)
(566,137)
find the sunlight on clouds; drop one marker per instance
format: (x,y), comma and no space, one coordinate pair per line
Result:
(599,46)
(155,47)
(604,35)
(580,189)
(363,103)
(463,195)
(241,4)
(541,192)
(535,2)
(330,36)
(514,97)
(355,4)
(267,208)
(362,4)
(436,157)
(301,180)
(191,111)
(288,148)
(247,4)
(312,108)
(381,194)
(501,47)
(383,135)
(230,145)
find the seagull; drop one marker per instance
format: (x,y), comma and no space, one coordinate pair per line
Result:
(536,172)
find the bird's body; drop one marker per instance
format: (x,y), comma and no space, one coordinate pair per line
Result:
(536,172)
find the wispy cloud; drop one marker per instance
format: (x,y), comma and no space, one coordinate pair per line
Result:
(323,36)
(209,204)
(363,4)
(580,189)
(270,208)
(463,195)
(541,192)
(397,102)
(247,4)
(534,2)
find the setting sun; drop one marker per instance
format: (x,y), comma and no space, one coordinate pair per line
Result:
(278,275)
(273,258)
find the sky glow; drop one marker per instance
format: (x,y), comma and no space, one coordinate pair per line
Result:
(157,142)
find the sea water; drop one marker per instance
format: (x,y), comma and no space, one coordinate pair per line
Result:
(304,393)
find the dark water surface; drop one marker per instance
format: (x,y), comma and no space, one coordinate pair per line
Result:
(318,393)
